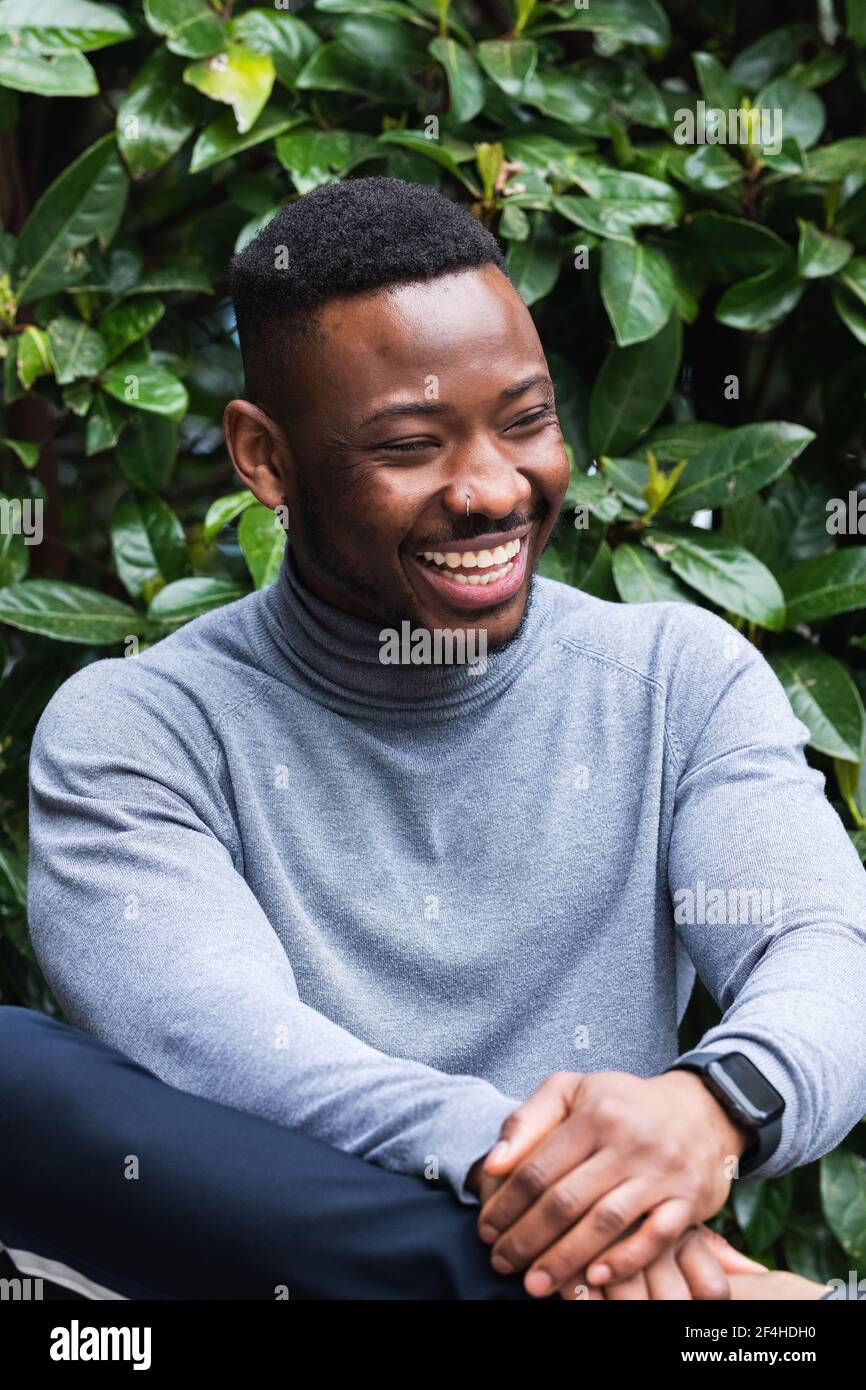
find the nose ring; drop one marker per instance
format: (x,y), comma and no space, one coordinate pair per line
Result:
(468,496)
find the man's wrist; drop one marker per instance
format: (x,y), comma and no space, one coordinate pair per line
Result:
(735,1138)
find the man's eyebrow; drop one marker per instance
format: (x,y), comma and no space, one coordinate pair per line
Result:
(392,412)
(541,379)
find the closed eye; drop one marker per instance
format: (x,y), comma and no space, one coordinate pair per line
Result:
(409,447)
(546,412)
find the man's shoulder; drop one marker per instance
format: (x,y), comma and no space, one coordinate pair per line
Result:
(653,640)
(179,686)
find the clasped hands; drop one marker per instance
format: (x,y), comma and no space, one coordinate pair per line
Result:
(598,1182)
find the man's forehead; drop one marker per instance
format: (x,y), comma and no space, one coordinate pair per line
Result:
(400,336)
(448,308)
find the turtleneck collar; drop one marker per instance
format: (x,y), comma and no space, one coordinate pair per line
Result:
(337,657)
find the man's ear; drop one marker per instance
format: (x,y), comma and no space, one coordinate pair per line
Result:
(259,451)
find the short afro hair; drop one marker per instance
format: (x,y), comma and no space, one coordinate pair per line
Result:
(343,239)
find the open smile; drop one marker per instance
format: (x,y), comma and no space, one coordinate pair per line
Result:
(476,574)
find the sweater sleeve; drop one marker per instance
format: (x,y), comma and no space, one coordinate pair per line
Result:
(770,897)
(153,942)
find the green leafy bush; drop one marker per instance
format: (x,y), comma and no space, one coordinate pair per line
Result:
(682,192)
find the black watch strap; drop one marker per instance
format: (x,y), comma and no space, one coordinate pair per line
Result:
(767,1135)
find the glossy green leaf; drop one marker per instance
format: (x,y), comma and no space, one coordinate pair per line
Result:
(25,69)
(737,463)
(728,576)
(147,450)
(372,56)
(632,389)
(239,76)
(717,88)
(157,115)
(314,157)
(288,40)
(57,25)
(190,27)
(177,603)
(129,321)
(465,81)
(449,153)
(509,62)
(824,697)
(762,301)
(534,264)
(26,453)
(825,585)
(146,386)
(263,542)
(637,290)
(803,114)
(832,163)
(105,421)
(148,543)
(843,1199)
(682,440)
(750,523)
(221,140)
(641,22)
(68,612)
(14,558)
(86,201)
(820,254)
(224,510)
(34,356)
(641,577)
(76,349)
(561,95)
(762,1206)
(851,311)
(731,248)
(761,60)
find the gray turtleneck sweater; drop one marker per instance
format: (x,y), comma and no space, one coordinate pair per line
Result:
(381,903)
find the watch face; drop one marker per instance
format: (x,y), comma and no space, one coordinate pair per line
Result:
(745,1085)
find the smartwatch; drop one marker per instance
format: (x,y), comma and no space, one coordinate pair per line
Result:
(747,1096)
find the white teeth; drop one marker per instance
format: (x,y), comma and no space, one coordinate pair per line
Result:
(476,559)
(461,579)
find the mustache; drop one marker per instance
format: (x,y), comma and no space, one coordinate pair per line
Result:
(477,525)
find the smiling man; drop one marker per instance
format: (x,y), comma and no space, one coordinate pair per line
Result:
(423,915)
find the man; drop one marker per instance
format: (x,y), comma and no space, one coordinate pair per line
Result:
(382,904)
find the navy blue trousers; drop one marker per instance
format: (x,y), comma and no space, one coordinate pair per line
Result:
(225,1205)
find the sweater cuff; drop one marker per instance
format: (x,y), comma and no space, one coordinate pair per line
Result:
(784,1157)
(466,1129)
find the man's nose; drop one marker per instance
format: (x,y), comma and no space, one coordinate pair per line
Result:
(489,482)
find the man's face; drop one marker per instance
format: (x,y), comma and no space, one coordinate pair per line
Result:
(411,401)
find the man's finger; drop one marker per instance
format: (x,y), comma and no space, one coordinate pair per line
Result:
(660,1230)
(665,1280)
(563,1150)
(610,1217)
(530,1122)
(702,1269)
(559,1208)
(634,1289)
(732,1261)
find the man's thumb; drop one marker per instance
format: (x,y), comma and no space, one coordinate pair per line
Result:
(531,1122)
(731,1260)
